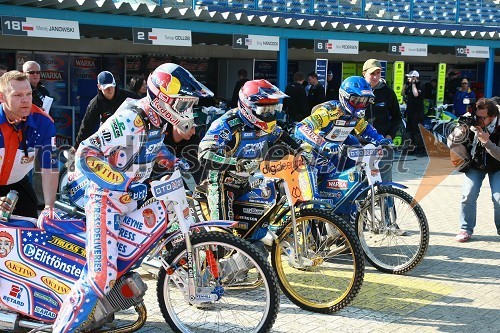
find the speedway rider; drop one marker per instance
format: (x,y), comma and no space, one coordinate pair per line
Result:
(329,126)
(235,144)
(117,159)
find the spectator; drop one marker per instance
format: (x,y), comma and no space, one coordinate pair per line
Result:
(451,87)
(32,69)
(242,78)
(33,133)
(384,114)
(464,96)
(414,98)
(430,93)
(101,107)
(482,164)
(332,90)
(138,85)
(316,94)
(296,107)
(3,69)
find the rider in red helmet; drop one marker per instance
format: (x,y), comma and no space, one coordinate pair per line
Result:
(237,142)
(115,162)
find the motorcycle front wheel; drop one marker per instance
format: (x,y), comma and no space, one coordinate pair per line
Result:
(396,238)
(243,280)
(327,271)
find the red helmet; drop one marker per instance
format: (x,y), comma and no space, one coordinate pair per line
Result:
(258,102)
(172,93)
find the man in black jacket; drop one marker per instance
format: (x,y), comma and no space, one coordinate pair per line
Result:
(316,93)
(384,114)
(32,69)
(101,107)
(296,107)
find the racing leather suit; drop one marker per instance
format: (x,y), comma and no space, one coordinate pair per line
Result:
(231,150)
(120,153)
(330,127)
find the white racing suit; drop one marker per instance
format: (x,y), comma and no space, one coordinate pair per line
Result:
(120,153)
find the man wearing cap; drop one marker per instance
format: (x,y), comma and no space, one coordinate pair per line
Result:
(101,107)
(384,114)
(415,114)
(463,98)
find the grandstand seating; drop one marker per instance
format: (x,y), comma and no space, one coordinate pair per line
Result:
(470,12)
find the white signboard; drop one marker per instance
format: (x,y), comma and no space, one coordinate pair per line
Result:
(36,27)
(156,36)
(256,42)
(408,49)
(336,46)
(472,51)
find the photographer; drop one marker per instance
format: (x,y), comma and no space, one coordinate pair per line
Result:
(415,114)
(484,161)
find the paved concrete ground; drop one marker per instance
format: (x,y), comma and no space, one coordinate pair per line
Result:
(455,289)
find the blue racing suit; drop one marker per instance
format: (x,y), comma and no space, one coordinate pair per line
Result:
(116,159)
(231,150)
(329,128)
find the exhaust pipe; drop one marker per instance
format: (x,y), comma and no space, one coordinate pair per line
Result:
(8,320)
(11,322)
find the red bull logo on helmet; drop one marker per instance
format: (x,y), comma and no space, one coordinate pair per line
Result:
(168,84)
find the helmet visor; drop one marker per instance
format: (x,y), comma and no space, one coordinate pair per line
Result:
(360,102)
(183,104)
(267,110)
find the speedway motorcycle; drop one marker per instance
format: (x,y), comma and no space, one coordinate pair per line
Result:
(391,226)
(41,260)
(316,255)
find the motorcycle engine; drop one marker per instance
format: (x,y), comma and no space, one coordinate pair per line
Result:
(128,291)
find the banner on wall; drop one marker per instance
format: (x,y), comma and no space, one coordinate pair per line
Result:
(348,69)
(37,27)
(336,46)
(441,82)
(256,42)
(265,69)
(133,67)
(408,49)
(157,36)
(21,58)
(155,60)
(197,67)
(83,77)
(399,79)
(472,51)
(116,65)
(321,69)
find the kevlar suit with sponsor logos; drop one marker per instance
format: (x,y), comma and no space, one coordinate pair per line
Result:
(329,130)
(119,155)
(231,151)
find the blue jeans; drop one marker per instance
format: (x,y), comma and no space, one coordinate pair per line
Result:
(473,179)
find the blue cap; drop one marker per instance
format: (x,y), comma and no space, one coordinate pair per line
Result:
(105,79)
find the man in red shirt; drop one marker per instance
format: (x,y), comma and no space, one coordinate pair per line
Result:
(25,132)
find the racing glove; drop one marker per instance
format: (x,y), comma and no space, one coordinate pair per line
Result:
(329,149)
(182,164)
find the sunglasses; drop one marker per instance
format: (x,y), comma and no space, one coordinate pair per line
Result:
(360,102)
(33,72)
